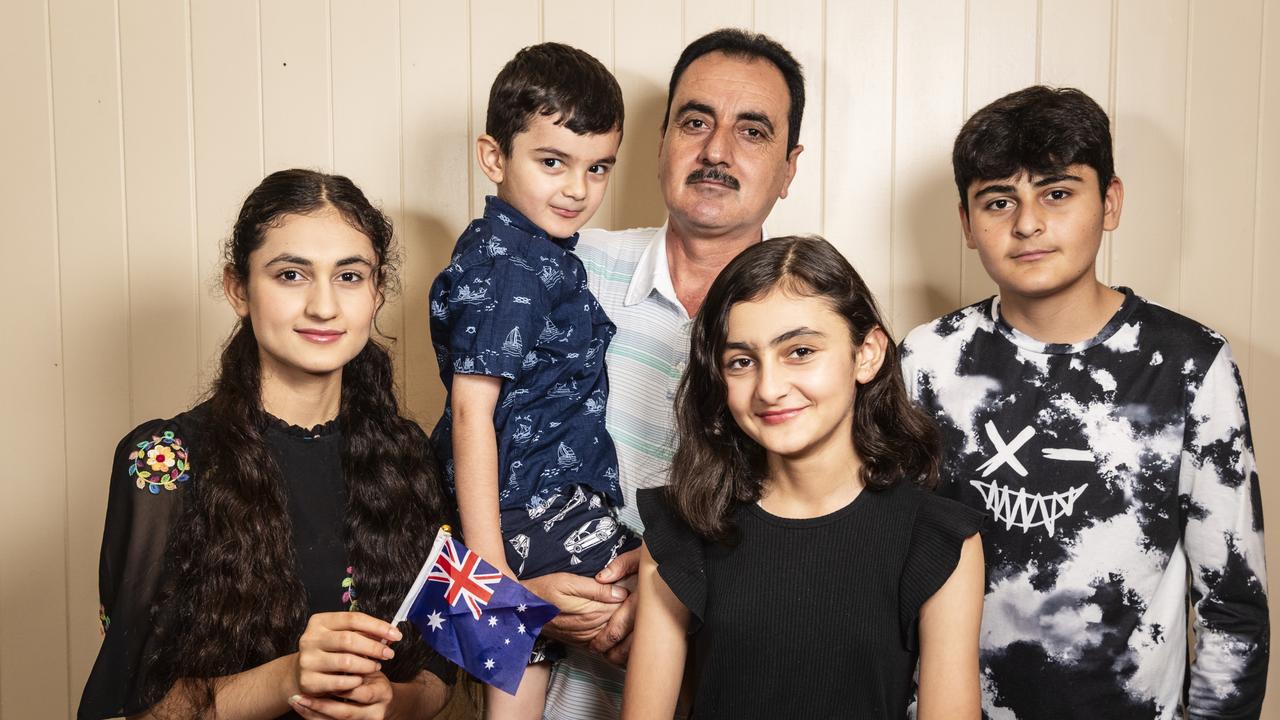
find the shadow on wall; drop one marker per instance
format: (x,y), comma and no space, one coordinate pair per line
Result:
(637,199)
(931,243)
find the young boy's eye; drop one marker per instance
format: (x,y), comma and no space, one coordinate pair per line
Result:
(802,353)
(552,163)
(1059,194)
(598,169)
(1000,204)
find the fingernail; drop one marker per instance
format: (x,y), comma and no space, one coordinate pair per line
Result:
(395,634)
(388,653)
(618,593)
(299,700)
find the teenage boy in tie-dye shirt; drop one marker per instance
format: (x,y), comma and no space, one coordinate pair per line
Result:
(1107,437)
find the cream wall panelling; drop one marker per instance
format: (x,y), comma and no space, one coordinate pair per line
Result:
(134,130)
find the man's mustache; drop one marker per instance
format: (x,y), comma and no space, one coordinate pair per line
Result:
(715,174)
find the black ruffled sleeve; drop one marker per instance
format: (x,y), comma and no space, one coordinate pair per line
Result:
(940,528)
(149,477)
(677,550)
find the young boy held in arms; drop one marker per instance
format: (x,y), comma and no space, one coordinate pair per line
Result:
(521,340)
(1108,437)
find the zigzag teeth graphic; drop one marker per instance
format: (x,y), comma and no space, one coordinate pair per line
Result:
(1018,508)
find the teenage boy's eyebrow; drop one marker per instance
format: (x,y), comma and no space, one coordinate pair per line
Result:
(993,190)
(1051,179)
(788,335)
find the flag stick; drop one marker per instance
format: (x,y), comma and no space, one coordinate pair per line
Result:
(403,613)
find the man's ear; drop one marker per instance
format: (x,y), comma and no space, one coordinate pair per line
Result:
(1112,203)
(493,162)
(791,169)
(236,291)
(869,356)
(964,225)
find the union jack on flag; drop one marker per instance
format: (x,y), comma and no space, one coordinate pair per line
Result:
(474,615)
(464,577)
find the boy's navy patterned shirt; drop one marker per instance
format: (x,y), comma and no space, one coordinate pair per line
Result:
(513,304)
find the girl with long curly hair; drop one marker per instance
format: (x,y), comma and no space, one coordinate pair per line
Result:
(796,555)
(253,542)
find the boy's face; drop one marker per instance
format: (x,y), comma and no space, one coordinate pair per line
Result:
(1038,235)
(554,176)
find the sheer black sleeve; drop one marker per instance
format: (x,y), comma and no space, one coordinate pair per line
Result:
(149,475)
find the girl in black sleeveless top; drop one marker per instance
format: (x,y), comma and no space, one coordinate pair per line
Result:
(253,543)
(797,558)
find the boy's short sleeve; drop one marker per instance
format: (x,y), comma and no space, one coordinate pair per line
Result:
(487,317)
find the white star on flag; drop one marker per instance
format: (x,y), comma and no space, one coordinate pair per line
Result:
(521,607)
(493,621)
(506,641)
(436,621)
(488,664)
(520,629)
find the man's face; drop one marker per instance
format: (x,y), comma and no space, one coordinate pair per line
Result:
(723,159)
(1038,235)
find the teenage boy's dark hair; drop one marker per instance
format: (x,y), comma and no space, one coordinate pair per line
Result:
(553,80)
(1040,130)
(742,44)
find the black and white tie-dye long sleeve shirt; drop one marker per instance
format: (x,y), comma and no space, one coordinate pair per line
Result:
(1114,469)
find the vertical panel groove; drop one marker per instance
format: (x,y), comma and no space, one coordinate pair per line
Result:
(1039,36)
(197,296)
(62,375)
(822,159)
(124,207)
(328,51)
(262,113)
(1186,148)
(1257,180)
(893,166)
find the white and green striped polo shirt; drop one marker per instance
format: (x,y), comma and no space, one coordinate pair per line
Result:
(628,273)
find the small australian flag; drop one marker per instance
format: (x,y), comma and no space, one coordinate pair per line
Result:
(474,615)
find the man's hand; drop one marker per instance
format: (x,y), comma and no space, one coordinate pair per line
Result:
(614,640)
(589,606)
(585,604)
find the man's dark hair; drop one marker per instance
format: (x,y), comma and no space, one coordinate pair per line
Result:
(742,44)
(553,80)
(1040,130)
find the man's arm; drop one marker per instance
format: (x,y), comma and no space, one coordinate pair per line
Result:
(1223,542)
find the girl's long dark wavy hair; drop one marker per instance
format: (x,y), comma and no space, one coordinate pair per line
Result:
(716,464)
(234,594)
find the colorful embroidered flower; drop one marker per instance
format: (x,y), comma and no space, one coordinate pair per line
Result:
(161,458)
(104,622)
(349,589)
(160,462)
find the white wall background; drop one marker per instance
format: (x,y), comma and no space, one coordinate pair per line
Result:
(130,130)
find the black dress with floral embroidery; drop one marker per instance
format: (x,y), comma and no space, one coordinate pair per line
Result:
(153,467)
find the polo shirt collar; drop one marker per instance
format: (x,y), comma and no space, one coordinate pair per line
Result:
(497,210)
(653,273)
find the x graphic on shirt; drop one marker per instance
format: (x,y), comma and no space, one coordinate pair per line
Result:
(1006,454)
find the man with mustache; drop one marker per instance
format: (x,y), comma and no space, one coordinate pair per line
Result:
(727,153)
